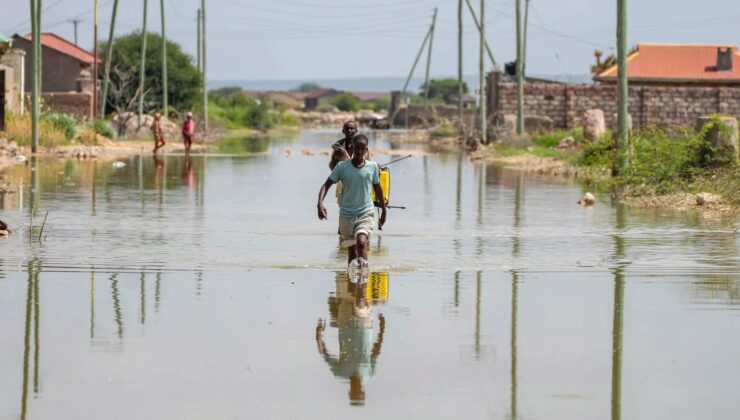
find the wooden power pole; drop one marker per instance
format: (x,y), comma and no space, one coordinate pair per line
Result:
(519,71)
(164,62)
(622,88)
(459,64)
(524,38)
(35,71)
(482,74)
(142,67)
(429,62)
(95,61)
(198,47)
(204,74)
(108,59)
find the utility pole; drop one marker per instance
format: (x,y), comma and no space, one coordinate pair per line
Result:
(75,22)
(142,67)
(198,59)
(429,62)
(108,58)
(459,65)
(205,76)
(35,66)
(482,74)
(519,71)
(408,78)
(622,88)
(164,62)
(95,61)
(477,25)
(524,40)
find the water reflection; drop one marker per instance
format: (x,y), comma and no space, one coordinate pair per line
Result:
(618,316)
(351,313)
(31,321)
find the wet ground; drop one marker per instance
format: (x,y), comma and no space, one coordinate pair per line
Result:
(205,287)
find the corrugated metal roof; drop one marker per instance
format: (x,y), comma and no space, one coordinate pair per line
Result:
(677,62)
(60,44)
(369,96)
(319,93)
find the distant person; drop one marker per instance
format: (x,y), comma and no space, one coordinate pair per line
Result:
(157,132)
(342,149)
(356,208)
(188,131)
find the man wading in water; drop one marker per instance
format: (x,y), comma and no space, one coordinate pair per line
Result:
(356,207)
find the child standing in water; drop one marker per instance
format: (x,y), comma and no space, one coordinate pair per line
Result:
(188,131)
(157,132)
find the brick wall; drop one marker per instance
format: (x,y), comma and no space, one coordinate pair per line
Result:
(78,105)
(664,106)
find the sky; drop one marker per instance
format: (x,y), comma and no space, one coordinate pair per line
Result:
(325,39)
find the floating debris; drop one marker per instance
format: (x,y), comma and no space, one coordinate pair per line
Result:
(119,164)
(20,158)
(588,199)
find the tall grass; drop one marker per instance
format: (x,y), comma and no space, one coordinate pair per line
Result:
(51,132)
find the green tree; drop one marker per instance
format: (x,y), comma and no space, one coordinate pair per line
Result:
(346,101)
(306,87)
(184,82)
(445,88)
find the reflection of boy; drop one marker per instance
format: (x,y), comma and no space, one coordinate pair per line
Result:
(358,353)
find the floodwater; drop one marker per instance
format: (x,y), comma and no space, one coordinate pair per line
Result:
(205,287)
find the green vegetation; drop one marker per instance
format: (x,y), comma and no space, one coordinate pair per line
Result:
(51,133)
(182,76)
(661,161)
(445,89)
(103,127)
(232,108)
(63,122)
(346,101)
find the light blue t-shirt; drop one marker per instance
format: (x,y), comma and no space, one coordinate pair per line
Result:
(356,186)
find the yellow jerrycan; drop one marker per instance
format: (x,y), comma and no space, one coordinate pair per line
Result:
(385,183)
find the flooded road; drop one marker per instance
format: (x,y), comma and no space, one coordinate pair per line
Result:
(205,287)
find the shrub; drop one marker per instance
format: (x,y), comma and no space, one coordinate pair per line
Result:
(103,128)
(258,117)
(63,122)
(442,129)
(346,101)
(18,129)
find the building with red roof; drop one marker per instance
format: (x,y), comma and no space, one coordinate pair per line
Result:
(679,64)
(63,62)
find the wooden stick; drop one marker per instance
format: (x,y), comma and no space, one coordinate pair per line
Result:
(42,226)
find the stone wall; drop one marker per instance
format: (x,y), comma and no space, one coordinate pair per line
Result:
(78,105)
(663,106)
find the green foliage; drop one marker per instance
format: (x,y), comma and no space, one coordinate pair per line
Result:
(183,79)
(63,122)
(442,129)
(103,128)
(306,87)
(258,117)
(446,89)
(346,101)
(597,153)
(381,103)
(550,139)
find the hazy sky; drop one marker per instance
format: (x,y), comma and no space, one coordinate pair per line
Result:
(314,39)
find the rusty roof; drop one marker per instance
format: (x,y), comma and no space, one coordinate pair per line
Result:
(60,44)
(319,93)
(677,63)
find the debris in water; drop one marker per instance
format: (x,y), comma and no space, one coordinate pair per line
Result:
(288,152)
(119,164)
(588,199)
(20,158)
(4,231)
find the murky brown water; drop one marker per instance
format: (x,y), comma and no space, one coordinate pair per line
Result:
(206,288)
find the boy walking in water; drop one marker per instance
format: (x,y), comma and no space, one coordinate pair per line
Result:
(356,207)
(157,132)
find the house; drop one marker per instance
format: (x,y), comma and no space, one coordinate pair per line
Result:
(317,97)
(63,62)
(679,65)
(370,96)
(11,79)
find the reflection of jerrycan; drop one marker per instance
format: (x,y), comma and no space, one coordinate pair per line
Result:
(385,183)
(377,287)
